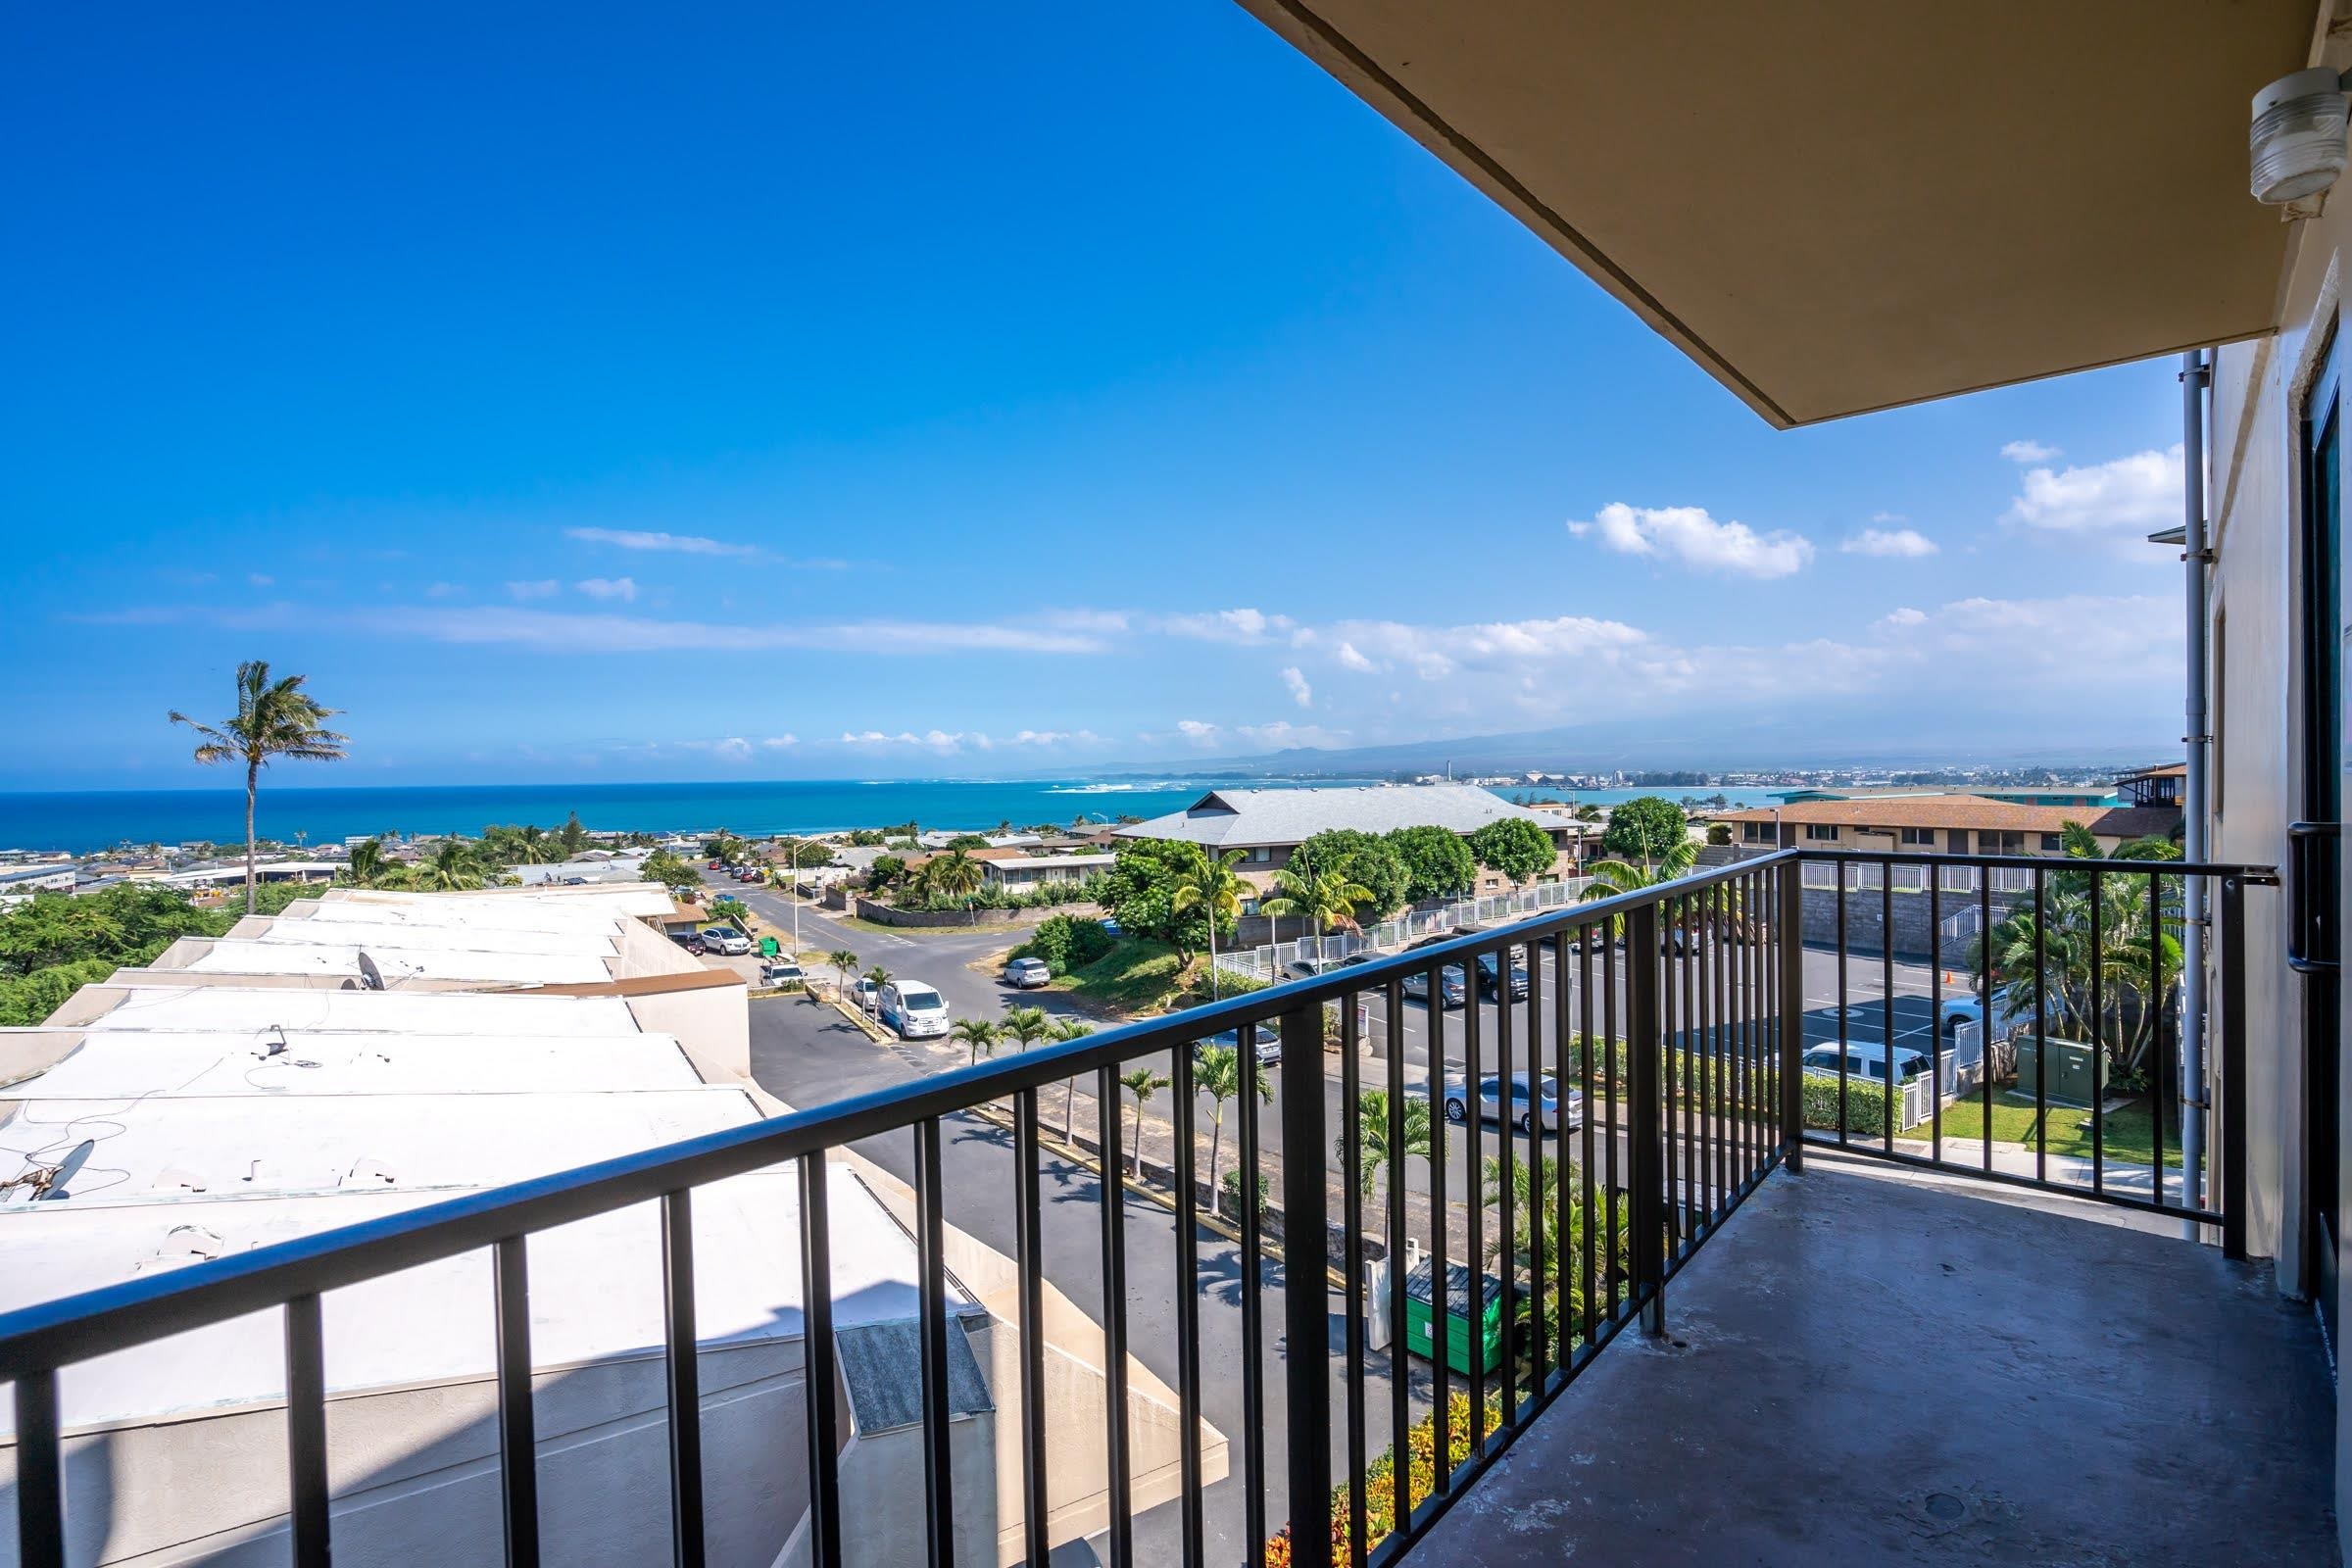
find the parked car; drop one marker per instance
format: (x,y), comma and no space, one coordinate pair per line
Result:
(913,1009)
(783,975)
(1867,1061)
(1028,973)
(715,865)
(725,939)
(1308,969)
(1490,977)
(1452,989)
(1268,1045)
(862,992)
(1532,1105)
(691,940)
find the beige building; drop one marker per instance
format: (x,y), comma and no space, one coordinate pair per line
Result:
(1941,824)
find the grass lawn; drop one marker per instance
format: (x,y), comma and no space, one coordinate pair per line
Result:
(1137,977)
(2129,1132)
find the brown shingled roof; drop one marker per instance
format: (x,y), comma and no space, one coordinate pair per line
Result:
(1975,813)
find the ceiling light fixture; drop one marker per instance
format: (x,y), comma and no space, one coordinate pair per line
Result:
(2296,145)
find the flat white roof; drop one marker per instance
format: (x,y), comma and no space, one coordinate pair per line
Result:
(592,940)
(472,914)
(127,1064)
(204,1008)
(260,956)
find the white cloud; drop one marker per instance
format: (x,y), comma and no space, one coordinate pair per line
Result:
(1281,733)
(644,539)
(623,589)
(1903,616)
(1300,692)
(1889,516)
(1226,626)
(1688,535)
(1350,657)
(1434,652)
(778,742)
(1197,732)
(560,631)
(2028,452)
(1890,542)
(446,590)
(734,748)
(539,588)
(2120,500)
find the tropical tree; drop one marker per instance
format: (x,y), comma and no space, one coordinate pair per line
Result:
(1065,1029)
(1612,877)
(1143,1084)
(1367,859)
(1213,884)
(1512,845)
(953,875)
(454,866)
(571,835)
(1644,828)
(877,977)
(1027,1025)
(1218,1073)
(273,718)
(1373,1152)
(1316,893)
(527,844)
(1438,864)
(977,1033)
(842,961)
(1564,1255)
(367,867)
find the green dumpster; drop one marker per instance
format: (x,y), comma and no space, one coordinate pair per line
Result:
(768,947)
(1419,1301)
(2074,1067)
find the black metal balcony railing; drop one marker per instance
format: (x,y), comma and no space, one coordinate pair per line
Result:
(1683,1017)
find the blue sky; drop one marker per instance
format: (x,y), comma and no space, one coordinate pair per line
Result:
(589,394)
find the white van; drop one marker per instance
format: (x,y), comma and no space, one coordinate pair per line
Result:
(915,1010)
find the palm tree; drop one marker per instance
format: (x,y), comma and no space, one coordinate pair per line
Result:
(1612,877)
(1210,884)
(1372,1136)
(1028,1025)
(1065,1029)
(954,876)
(1143,1084)
(1563,1282)
(273,718)
(977,1033)
(1325,897)
(1217,1073)
(368,864)
(454,867)
(877,977)
(842,961)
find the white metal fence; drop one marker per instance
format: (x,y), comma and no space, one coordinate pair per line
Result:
(1273,961)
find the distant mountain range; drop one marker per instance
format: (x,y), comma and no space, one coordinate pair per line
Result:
(1633,746)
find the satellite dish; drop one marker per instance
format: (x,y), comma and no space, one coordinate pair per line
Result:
(68,1168)
(370,974)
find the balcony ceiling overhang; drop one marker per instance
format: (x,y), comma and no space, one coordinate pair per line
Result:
(1836,206)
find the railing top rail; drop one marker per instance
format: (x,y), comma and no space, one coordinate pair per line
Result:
(2252,875)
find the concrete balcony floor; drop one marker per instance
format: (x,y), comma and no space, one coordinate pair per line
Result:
(1865,1367)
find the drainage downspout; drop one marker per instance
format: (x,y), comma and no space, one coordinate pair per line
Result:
(2195,377)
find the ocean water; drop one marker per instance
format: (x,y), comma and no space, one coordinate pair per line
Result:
(82,821)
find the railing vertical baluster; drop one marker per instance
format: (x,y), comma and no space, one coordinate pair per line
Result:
(1307,1314)
(1187,1304)
(1352,1173)
(1842,869)
(1984,991)
(1935,1014)
(2233,1067)
(1538,1320)
(1030,1256)
(306,1433)
(1254,1311)
(1473,1180)
(1440,1303)
(1113,1187)
(939,1492)
(2042,1034)
(1644,1045)
(681,1348)
(1592,1227)
(40,1473)
(518,1443)
(2163,1075)
(2098,1045)
(1789,1018)
(1400,1382)
(1894,1089)
(1506,1143)
(817,1363)
(1618,1129)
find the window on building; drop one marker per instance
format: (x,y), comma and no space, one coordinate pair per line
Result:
(2052,843)
(1757,832)
(1994,843)
(1920,837)
(1822,830)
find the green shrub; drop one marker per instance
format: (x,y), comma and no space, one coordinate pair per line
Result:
(1231,1182)
(1865,1104)
(1066,942)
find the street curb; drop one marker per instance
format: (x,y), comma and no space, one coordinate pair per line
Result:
(1167,1200)
(872,1031)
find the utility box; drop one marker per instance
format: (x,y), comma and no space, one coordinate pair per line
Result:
(1420,1309)
(2075,1074)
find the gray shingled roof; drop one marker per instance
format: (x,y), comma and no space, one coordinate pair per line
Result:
(1229,819)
